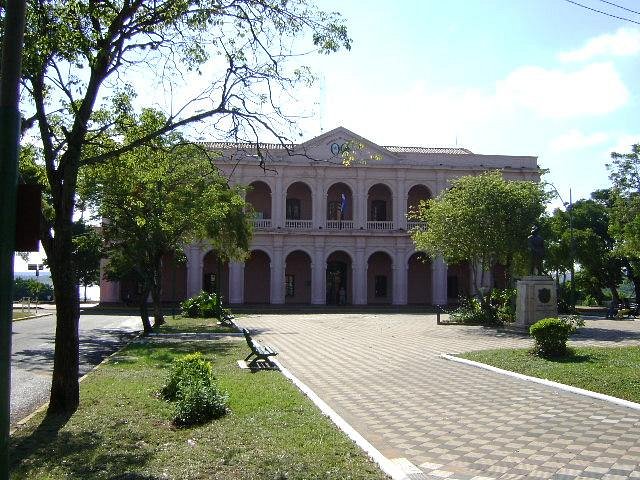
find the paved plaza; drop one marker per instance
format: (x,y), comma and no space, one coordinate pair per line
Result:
(384,375)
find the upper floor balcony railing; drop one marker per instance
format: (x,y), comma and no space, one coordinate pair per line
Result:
(340,224)
(261,223)
(416,225)
(299,224)
(380,225)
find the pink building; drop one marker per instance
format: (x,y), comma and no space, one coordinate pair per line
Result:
(326,233)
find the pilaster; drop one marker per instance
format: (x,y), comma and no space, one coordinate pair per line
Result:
(236,282)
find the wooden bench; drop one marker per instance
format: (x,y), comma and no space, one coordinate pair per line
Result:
(261,352)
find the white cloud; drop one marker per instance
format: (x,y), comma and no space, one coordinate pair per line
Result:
(624,42)
(623,143)
(576,140)
(594,90)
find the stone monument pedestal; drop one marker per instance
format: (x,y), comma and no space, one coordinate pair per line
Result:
(536,300)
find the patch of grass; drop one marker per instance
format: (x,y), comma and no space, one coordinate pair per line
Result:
(123,428)
(20,315)
(612,371)
(181,324)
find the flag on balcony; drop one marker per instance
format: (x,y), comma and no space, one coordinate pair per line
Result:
(343,205)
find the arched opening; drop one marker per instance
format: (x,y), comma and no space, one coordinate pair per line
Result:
(257,278)
(379,207)
(339,281)
(417,194)
(259,196)
(299,206)
(458,281)
(215,275)
(419,280)
(174,279)
(173,283)
(297,278)
(339,206)
(379,279)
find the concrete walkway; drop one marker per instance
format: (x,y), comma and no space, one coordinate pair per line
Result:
(383,374)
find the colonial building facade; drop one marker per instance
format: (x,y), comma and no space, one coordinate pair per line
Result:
(326,233)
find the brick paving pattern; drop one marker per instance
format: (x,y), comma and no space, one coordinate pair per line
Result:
(384,375)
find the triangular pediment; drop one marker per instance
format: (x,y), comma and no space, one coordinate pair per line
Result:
(332,144)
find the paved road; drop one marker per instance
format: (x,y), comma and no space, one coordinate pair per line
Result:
(33,346)
(384,375)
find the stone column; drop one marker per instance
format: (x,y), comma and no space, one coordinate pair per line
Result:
(194,269)
(278,201)
(277,276)
(319,204)
(318,274)
(109,291)
(399,280)
(236,282)
(439,281)
(400,204)
(360,275)
(360,206)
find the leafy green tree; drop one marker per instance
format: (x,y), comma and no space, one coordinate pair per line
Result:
(157,198)
(81,54)
(624,172)
(482,219)
(87,252)
(593,247)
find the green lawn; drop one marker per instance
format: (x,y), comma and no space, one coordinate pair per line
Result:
(181,324)
(123,431)
(612,371)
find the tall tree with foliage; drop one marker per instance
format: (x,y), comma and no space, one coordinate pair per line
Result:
(87,252)
(624,172)
(78,53)
(155,200)
(483,219)
(593,245)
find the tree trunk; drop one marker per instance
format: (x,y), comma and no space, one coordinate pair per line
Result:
(85,292)
(615,296)
(156,297)
(144,311)
(158,318)
(65,390)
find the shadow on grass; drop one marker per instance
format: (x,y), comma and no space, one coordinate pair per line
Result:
(570,357)
(79,453)
(161,352)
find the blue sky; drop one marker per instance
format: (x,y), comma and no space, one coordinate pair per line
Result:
(522,77)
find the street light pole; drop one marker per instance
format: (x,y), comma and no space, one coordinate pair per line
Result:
(573,255)
(569,209)
(9,144)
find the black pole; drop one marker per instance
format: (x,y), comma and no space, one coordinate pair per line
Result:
(572,293)
(9,145)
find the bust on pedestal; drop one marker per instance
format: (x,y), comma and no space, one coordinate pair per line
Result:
(536,298)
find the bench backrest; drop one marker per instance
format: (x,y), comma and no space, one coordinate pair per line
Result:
(247,337)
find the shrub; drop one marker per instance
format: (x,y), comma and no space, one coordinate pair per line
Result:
(497,308)
(198,403)
(471,311)
(192,386)
(504,303)
(204,305)
(551,335)
(590,301)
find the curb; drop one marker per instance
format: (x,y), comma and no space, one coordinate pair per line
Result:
(31,317)
(543,381)
(44,406)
